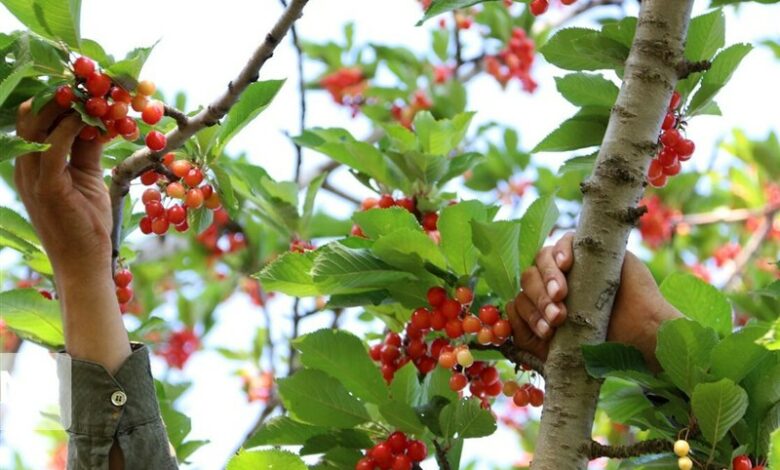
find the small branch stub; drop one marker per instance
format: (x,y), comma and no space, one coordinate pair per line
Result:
(595,450)
(686,68)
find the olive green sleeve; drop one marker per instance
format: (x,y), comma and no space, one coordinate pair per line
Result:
(98,408)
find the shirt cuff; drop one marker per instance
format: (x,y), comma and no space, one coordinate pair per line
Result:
(94,402)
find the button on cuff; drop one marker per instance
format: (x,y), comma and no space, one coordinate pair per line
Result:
(118,398)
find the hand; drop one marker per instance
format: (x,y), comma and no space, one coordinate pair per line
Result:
(69,207)
(637,313)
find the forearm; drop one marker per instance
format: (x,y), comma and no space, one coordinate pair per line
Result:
(660,312)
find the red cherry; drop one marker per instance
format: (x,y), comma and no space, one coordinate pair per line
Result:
(655,169)
(154,209)
(176,214)
(675,101)
(375,351)
(89,133)
(156,141)
(659,182)
(568,2)
(117,110)
(438,320)
(126,126)
(123,278)
(430,220)
(150,195)
(386,200)
(64,96)
(83,67)
(451,308)
(669,121)
(407,203)
(416,349)
(485,335)
(454,328)
(397,442)
(477,389)
(741,462)
(521,397)
(213,202)
(369,203)
(175,190)
(388,371)
(416,450)
(488,375)
(181,168)
(464,295)
(160,225)
(685,148)
(382,454)
(389,353)
(436,296)
(538,7)
(421,318)
(146,87)
(168,158)
(139,103)
(149,177)
(393,339)
(437,346)
(98,84)
(193,178)
(120,94)
(667,156)
(153,113)
(458,382)
(502,329)
(402,462)
(536,396)
(426,364)
(471,324)
(448,360)
(182,227)
(476,368)
(494,389)
(366,463)
(206,189)
(489,314)
(145,224)
(96,106)
(670,137)
(124,294)
(194,198)
(672,169)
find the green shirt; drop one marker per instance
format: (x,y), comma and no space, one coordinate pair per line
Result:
(99,408)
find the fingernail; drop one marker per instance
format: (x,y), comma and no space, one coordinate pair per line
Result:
(560,258)
(552,288)
(551,312)
(542,326)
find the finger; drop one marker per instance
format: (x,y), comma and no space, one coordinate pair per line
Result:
(54,160)
(27,166)
(563,253)
(35,126)
(524,337)
(85,156)
(535,290)
(552,276)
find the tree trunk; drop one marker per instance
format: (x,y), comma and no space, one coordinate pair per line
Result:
(609,213)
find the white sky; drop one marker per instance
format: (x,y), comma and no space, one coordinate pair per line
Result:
(204,43)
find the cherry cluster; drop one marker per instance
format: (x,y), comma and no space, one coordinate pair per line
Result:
(105,100)
(124,292)
(481,378)
(514,61)
(674,148)
(681,450)
(301,246)
(538,7)
(221,236)
(405,114)
(257,387)
(186,188)
(397,452)
(345,85)
(524,395)
(657,224)
(726,253)
(428,220)
(180,346)
(743,462)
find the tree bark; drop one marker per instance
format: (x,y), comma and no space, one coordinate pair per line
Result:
(609,213)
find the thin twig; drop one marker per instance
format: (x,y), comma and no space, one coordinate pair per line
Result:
(301,95)
(296,319)
(441,456)
(750,249)
(518,356)
(458,45)
(142,159)
(724,216)
(270,406)
(330,188)
(182,121)
(595,450)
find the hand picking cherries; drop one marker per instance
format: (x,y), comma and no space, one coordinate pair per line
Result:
(103,99)
(674,147)
(187,188)
(397,452)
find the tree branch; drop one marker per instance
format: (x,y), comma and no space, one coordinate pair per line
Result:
(685,68)
(751,249)
(144,158)
(518,356)
(595,450)
(724,216)
(610,198)
(182,121)
(301,94)
(441,456)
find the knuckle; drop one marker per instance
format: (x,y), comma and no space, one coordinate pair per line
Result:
(526,276)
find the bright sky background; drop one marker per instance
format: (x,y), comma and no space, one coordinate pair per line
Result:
(202,46)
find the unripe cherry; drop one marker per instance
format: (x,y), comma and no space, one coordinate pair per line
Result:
(213,202)
(193,198)
(180,168)
(153,112)
(510,387)
(684,463)
(156,141)
(139,103)
(175,190)
(64,96)
(465,358)
(681,448)
(464,295)
(369,203)
(96,106)
(193,177)
(471,324)
(168,158)
(98,84)
(485,335)
(160,225)
(448,360)
(83,67)
(146,87)
(150,195)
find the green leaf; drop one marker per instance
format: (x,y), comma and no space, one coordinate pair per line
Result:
(402,416)
(409,250)
(623,400)
(339,269)
(224,188)
(342,438)
(33,317)
(308,202)
(12,147)
(535,226)
(706,34)
(466,418)
(438,7)
(54,19)
(456,238)
(573,134)
(441,43)
(314,397)
(290,274)
(736,355)
(698,300)
(266,459)
(723,67)
(683,350)
(581,49)
(601,359)
(18,225)
(717,407)
(325,350)
(10,82)
(582,164)
(378,222)
(253,101)
(774,452)
(585,89)
(283,431)
(500,257)
(127,70)
(405,386)
(771,340)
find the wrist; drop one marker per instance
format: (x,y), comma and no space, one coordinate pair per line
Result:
(660,312)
